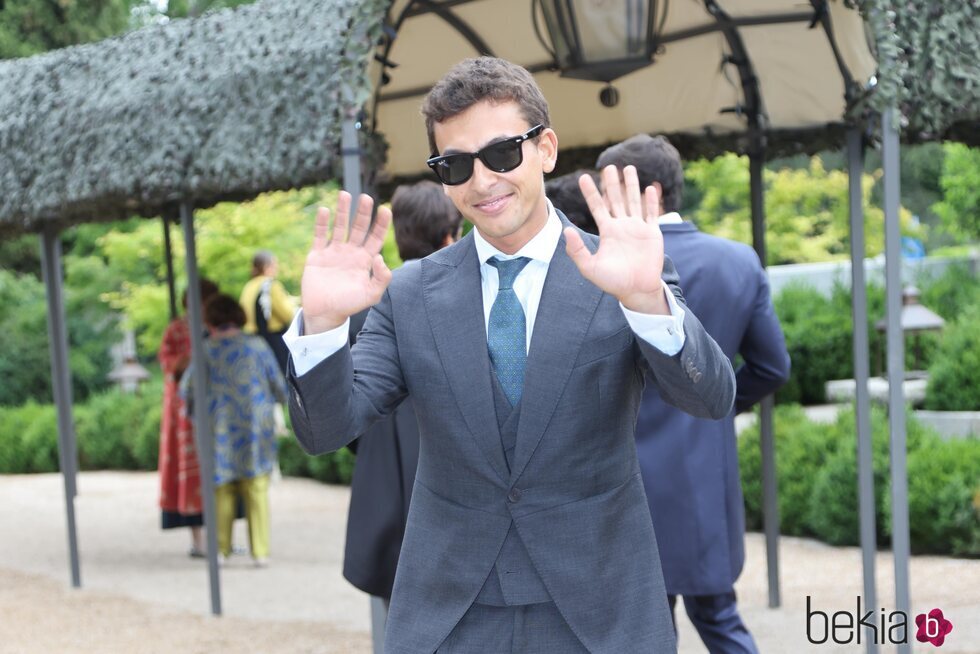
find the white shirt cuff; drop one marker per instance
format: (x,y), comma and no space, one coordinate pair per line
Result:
(666,333)
(308,351)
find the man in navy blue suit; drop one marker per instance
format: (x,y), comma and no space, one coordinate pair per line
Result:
(690,465)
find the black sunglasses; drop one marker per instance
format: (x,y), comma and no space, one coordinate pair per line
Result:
(500,157)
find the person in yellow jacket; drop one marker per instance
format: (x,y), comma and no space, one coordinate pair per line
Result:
(269,309)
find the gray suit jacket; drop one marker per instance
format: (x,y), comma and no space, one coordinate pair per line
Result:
(574,493)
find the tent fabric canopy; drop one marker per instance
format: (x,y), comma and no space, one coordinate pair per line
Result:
(689,91)
(226,106)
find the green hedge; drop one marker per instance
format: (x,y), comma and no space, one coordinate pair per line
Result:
(121,431)
(954,384)
(819,337)
(817,474)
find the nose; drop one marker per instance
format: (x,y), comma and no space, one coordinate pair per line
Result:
(482,177)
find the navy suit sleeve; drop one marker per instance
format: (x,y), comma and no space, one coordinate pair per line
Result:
(766,361)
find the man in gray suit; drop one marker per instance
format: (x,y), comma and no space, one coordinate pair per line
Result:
(690,465)
(524,347)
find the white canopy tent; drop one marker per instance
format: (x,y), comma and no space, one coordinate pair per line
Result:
(792,73)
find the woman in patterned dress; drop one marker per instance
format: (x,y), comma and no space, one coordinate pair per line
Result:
(180,481)
(244,385)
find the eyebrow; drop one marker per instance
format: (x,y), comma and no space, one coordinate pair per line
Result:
(492,141)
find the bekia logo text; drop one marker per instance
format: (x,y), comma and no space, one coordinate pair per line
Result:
(844,627)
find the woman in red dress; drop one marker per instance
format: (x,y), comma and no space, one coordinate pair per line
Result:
(180,477)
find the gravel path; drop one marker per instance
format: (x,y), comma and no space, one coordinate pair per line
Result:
(141,593)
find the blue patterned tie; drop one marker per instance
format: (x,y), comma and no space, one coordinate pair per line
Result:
(507,330)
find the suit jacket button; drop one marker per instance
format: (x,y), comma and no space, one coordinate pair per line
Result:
(514,496)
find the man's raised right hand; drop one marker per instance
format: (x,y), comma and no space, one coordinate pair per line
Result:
(344,274)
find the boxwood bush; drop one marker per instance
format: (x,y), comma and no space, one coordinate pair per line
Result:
(121,431)
(954,384)
(817,474)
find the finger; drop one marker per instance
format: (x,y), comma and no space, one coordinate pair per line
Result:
(362,220)
(634,199)
(611,184)
(578,252)
(321,230)
(340,218)
(380,275)
(652,198)
(376,237)
(597,205)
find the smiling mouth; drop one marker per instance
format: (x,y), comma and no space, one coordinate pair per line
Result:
(494,203)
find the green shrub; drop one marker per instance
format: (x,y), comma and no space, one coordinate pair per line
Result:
(818,340)
(802,447)
(952,292)
(944,497)
(28,439)
(293,461)
(954,384)
(334,468)
(833,513)
(817,476)
(40,440)
(120,431)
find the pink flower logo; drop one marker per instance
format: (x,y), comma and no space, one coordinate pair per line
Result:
(933,627)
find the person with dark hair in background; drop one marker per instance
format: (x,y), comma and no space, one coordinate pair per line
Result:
(565,193)
(425,220)
(523,347)
(244,383)
(268,307)
(180,474)
(388,453)
(690,465)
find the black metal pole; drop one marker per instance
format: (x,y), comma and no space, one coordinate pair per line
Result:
(896,365)
(862,400)
(61,385)
(767,440)
(202,423)
(169,259)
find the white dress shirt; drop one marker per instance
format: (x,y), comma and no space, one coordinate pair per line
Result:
(666,333)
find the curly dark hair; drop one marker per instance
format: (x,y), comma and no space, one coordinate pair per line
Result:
(656,160)
(485,78)
(223,310)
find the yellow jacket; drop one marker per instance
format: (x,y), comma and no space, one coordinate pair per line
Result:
(281,309)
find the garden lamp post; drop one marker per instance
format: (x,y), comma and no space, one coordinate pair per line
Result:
(600,40)
(128,373)
(916,318)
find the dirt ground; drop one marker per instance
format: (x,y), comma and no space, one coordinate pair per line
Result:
(141,593)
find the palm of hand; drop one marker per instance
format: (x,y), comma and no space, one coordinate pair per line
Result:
(630,257)
(337,279)
(344,274)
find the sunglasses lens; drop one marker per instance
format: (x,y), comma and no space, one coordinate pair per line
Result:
(502,157)
(454,170)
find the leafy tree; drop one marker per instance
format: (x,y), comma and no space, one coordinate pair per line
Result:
(807,216)
(960,181)
(29,27)
(24,359)
(228,235)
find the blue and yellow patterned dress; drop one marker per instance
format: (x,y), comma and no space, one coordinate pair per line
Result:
(244,384)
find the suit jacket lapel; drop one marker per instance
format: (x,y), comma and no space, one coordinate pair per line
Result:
(453,297)
(568,301)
